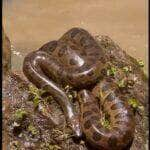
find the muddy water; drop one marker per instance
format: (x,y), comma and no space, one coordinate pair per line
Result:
(31,23)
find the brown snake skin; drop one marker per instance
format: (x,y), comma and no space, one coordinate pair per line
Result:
(121,118)
(76,59)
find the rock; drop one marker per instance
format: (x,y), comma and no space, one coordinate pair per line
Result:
(6,53)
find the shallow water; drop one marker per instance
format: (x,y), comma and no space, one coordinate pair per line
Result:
(31,23)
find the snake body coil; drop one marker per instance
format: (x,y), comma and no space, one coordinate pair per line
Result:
(121,131)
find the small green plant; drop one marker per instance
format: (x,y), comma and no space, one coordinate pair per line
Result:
(35,91)
(20,114)
(141,63)
(134,103)
(127,69)
(36,101)
(121,83)
(105,121)
(111,71)
(36,95)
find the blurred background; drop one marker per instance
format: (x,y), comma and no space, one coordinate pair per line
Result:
(31,23)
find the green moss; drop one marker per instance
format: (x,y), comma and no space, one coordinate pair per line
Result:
(20,114)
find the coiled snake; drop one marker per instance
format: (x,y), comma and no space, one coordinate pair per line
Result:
(76,59)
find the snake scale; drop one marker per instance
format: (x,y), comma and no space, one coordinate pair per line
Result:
(76,59)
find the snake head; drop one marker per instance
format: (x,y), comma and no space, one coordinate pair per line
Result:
(75,125)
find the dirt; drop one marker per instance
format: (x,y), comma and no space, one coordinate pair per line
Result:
(27,126)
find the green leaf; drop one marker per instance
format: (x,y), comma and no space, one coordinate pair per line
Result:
(36,101)
(33,89)
(125,69)
(111,71)
(141,63)
(133,102)
(121,83)
(36,91)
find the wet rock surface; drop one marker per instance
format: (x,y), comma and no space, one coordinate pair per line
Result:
(33,120)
